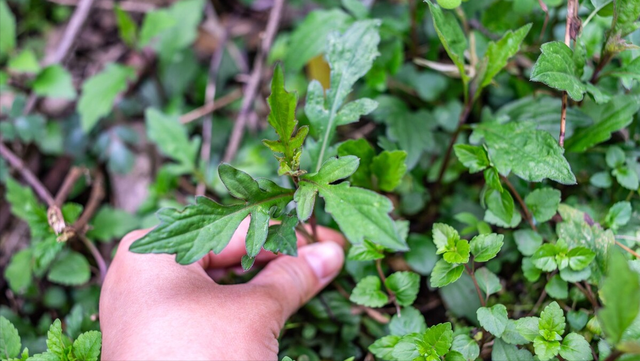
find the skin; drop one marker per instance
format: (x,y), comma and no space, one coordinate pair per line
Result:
(152,308)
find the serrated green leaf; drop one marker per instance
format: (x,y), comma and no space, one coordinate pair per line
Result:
(545,350)
(10,342)
(383,347)
(621,295)
(512,336)
(87,346)
(368,293)
(57,343)
(473,157)
(451,36)
(556,68)
(552,323)
(528,327)
(575,347)
(54,82)
(580,257)
(363,150)
(407,347)
(283,119)
(445,273)
(405,285)
(619,215)
(361,214)
(24,62)
(25,206)
(310,36)
(486,246)
(466,346)
(350,56)
(500,204)
(529,270)
(492,178)
(71,269)
(613,116)
(488,282)
(412,321)
(282,237)
(365,251)
(545,257)
(172,139)
(627,177)
(437,340)
(573,276)
(389,167)
(503,351)
(528,241)
(449,244)
(493,319)
(543,203)
(557,288)
(531,154)
(626,15)
(498,53)
(577,319)
(100,91)
(127,27)
(208,226)
(19,271)
(615,157)
(7,29)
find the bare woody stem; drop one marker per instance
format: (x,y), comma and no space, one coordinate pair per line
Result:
(392,295)
(29,177)
(471,273)
(525,209)
(634,253)
(570,32)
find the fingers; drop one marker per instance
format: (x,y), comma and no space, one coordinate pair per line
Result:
(292,281)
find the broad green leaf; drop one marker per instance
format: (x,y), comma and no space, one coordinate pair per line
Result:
(473,157)
(467,346)
(621,295)
(449,244)
(457,252)
(500,204)
(19,271)
(283,119)
(512,336)
(626,16)
(54,82)
(613,116)
(493,319)
(627,177)
(531,154)
(556,68)
(528,241)
(172,29)
(631,70)
(407,347)
(282,237)
(208,226)
(368,293)
(25,62)
(488,282)
(528,327)
(503,351)
(421,256)
(492,178)
(309,37)
(363,150)
(577,319)
(172,140)
(357,8)
(575,347)
(486,246)
(127,27)
(437,340)
(405,285)
(57,343)
(545,350)
(72,269)
(383,347)
(557,288)
(498,53)
(445,273)
(451,36)
(411,321)
(10,342)
(615,157)
(552,322)
(350,56)
(360,213)
(87,346)
(619,215)
(601,180)
(543,203)
(111,223)
(529,270)
(580,257)
(389,167)
(7,29)
(99,93)
(365,251)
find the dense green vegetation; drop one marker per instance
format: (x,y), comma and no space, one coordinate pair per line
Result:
(481,159)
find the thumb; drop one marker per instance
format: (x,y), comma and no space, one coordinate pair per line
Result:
(293,281)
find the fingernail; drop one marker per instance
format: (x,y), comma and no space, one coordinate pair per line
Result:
(325,259)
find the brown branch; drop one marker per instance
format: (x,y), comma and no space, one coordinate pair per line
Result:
(544,8)
(470,272)
(570,32)
(211,107)
(589,296)
(67,184)
(95,199)
(102,266)
(130,6)
(251,89)
(535,308)
(392,295)
(634,253)
(31,179)
(525,209)
(71,32)
(615,354)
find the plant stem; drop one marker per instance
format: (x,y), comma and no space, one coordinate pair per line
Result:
(634,253)
(525,209)
(31,179)
(447,156)
(97,193)
(589,296)
(67,184)
(102,266)
(614,355)
(570,32)
(392,295)
(471,273)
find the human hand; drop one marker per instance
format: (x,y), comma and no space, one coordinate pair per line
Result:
(153,308)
